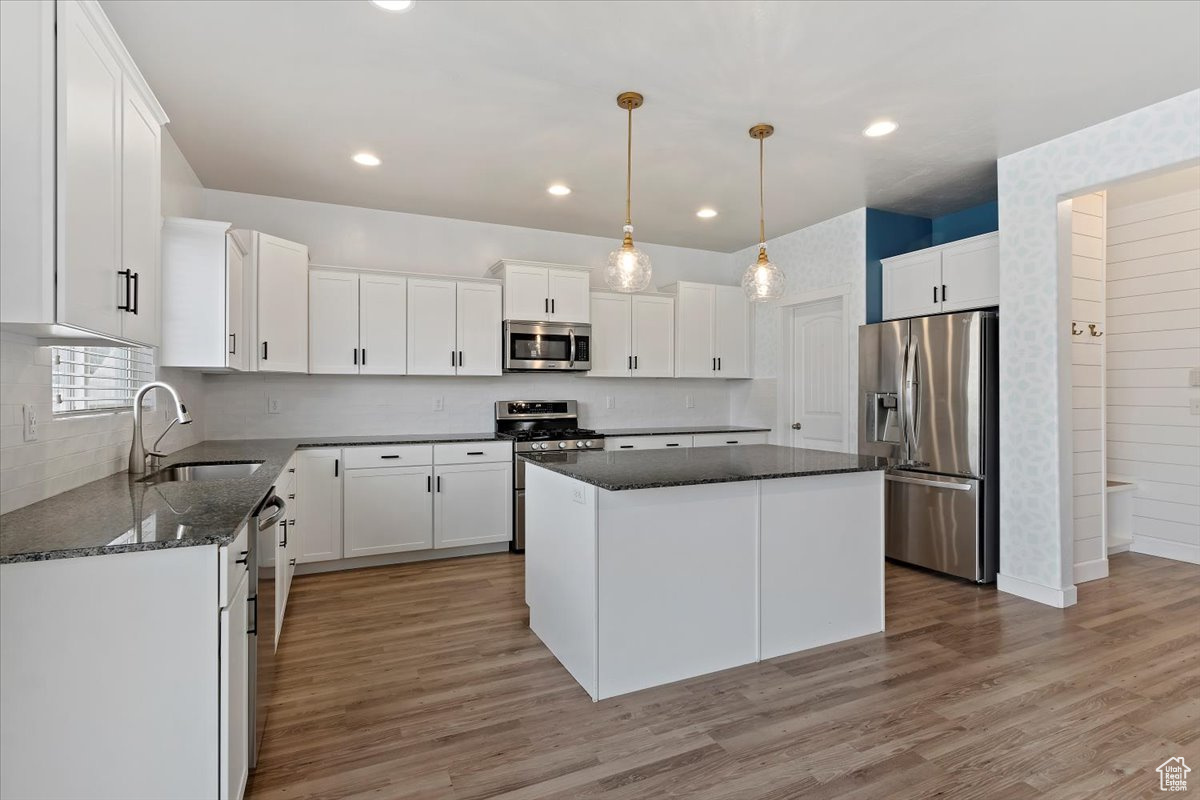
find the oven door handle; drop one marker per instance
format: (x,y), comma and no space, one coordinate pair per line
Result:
(571,333)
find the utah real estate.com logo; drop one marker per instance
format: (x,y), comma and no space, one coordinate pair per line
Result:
(1172,775)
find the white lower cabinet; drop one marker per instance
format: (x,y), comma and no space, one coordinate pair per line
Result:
(728,439)
(319,504)
(235,676)
(647,442)
(388,510)
(473,504)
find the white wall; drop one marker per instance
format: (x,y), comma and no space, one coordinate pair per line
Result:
(1035,501)
(1087,385)
(366,238)
(74,450)
(826,255)
(1153,342)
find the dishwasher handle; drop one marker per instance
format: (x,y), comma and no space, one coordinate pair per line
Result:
(952,485)
(280,507)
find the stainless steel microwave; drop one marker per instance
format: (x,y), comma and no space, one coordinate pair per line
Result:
(563,347)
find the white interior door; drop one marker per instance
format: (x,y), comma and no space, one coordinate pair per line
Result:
(653,336)
(333,322)
(611,354)
(383,324)
(819,376)
(480,328)
(432,323)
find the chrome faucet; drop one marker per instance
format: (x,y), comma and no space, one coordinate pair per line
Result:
(138,456)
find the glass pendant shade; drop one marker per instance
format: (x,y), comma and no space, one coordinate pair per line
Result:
(763,280)
(628,268)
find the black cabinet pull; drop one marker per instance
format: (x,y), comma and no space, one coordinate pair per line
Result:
(336,461)
(718,363)
(264,356)
(735,441)
(626,447)
(292,562)
(364,355)
(630,364)
(428,484)
(134,310)
(714,364)
(389,456)
(128,293)
(672,444)
(233,344)
(460,358)
(635,366)
(452,359)
(943,292)
(935,294)
(439,483)
(245,557)
(552,311)
(356,356)
(475,452)
(546,304)
(292,496)
(291,469)
(285,527)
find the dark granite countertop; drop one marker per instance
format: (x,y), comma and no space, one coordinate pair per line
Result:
(619,470)
(120,514)
(681,430)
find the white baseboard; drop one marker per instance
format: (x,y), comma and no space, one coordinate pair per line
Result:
(1120,547)
(408,557)
(1058,598)
(1163,548)
(1091,570)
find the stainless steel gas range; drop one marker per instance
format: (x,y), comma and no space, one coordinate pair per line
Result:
(539,426)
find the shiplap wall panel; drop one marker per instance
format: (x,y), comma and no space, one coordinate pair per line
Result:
(1153,342)
(1088,386)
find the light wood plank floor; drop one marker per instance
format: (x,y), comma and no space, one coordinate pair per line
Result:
(423,681)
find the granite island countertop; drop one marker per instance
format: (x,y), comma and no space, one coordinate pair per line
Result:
(654,469)
(680,430)
(121,514)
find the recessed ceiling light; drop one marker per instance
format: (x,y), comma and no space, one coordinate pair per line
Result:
(881,128)
(367,160)
(706,213)
(558,189)
(394,5)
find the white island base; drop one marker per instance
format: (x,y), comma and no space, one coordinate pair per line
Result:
(633,589)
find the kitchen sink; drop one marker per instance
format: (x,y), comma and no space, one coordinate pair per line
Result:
(203,472)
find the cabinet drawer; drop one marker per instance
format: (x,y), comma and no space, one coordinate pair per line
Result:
(399,455)
(472,452)
(646,442)
(723,439)
(231,565)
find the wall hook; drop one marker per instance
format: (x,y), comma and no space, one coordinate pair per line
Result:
(1092,327)
(1075,329)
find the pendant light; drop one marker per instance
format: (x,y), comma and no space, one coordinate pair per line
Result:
(628,268)
(763,280)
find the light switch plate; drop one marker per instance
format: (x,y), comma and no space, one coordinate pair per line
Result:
(577,495)
(274,405)
(1194,377)
(610,402)
(689,401)
(29,417)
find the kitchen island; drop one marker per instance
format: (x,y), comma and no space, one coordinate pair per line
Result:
(646,567)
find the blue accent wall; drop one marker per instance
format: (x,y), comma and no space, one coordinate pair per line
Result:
(890,235)
(964,224)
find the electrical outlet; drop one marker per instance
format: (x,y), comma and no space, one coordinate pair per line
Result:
(1194,377)
(689,401)
(30,417)
(439,403)
(274,405)
(1195,406)
(577,495)
(610,402)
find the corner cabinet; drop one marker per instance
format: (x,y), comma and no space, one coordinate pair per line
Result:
(633,335)
(278,271)
(535,292)
(81,163)
(950,277)
(712,331)
(205,320)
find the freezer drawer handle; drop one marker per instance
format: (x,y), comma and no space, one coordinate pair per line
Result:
(958,487)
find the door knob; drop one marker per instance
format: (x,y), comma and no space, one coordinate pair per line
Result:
(796,426)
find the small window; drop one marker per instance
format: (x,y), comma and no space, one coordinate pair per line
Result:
(98,378)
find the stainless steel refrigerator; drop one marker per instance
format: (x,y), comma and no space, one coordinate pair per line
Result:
(929,401)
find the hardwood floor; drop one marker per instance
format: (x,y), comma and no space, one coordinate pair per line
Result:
(423,681)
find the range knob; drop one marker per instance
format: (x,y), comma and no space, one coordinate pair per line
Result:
(542,445)
(588,443)
(562,445)
(580,445)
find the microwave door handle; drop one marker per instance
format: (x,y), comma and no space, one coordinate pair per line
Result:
(571,333)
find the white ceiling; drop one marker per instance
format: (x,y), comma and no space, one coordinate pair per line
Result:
(475,107)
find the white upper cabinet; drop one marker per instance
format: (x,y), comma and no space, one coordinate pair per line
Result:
(712,331)
(950,277)
(333,322)
(454,327)
(432,327)
(382,324)
(479,328)
(80,208)
(205,324)
(633,335)
(280,268)
(536,292)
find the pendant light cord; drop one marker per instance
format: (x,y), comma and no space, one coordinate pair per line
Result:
(762,223)
(628,164)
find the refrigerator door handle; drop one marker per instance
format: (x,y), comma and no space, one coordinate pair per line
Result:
(910,397)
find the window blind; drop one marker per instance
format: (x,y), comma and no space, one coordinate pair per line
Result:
(98,378)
